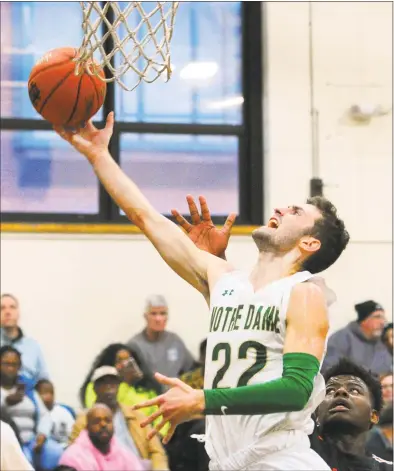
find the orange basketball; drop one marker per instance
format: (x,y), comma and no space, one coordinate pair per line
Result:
(60,96)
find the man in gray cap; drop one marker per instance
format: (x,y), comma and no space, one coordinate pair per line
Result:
(360,341)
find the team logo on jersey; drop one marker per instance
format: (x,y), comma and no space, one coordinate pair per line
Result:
(228,292)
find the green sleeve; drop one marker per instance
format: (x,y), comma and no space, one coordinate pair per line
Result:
(289,393)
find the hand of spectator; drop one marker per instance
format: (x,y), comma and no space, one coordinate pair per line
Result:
(179,404)
(40,440)
(16,397)
(130,371)
(205,235)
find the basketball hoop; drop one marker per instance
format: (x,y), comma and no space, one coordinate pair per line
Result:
(139,40)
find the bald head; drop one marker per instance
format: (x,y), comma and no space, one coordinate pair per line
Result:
(100,426)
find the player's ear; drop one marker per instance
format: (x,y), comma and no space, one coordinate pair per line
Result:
(374,417)
(309,244)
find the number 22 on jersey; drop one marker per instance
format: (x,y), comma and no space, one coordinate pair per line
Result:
(238,364)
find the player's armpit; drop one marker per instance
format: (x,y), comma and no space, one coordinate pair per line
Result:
(306,321)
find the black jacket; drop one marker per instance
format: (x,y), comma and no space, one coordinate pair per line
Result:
(337,460)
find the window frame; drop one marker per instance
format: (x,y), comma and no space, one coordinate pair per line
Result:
(249,134)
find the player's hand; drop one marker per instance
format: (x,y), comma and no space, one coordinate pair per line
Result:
(179,404)
(89,141)
(205,235)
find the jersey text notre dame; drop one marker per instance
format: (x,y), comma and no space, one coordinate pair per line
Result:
(227,319)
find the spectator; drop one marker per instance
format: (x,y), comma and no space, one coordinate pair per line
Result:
(126,421)
(386,382)
(96,449)
(33,363)
(11,455)
(28,412)
(380,441)
(351,407)
(195,377)
(62,416)
(161,350)
(360,341)
(387,337)
(186,452)
(137,385)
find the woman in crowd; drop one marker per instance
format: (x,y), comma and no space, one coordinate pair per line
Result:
(24,406)
(138,384)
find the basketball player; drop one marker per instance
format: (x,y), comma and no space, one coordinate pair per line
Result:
(351,407)
(268,328)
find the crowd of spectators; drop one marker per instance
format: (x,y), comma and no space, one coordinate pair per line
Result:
(105,432)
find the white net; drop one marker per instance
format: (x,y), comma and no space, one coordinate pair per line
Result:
(137,39)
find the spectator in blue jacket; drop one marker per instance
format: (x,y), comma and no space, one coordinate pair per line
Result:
(361,340)
(33,363)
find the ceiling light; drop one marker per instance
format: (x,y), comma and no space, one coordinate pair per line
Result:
(199,71)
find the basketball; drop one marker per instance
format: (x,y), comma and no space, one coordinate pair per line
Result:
(60,96)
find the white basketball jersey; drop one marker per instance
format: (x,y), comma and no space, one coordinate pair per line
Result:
(245,346)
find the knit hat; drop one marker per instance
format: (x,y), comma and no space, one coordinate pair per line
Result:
(366,308)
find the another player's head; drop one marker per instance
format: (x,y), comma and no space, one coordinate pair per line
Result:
(47,393)
(9,311)
(156,313)
(312,231)
(353,400)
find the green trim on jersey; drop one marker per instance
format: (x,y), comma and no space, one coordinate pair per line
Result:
(289,393)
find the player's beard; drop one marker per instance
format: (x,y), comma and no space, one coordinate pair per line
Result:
(268,241)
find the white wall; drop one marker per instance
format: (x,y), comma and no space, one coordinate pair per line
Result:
(79,293)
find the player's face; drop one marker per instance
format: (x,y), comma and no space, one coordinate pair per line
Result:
(9,312)
(287,228)
(100,425)
(156,318)
(348,403)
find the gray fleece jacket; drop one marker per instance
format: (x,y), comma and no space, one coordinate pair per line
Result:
(351,342)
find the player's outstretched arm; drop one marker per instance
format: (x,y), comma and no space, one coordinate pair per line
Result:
(192,264)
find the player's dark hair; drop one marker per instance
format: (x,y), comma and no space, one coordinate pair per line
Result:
(107,357)
(331,232)
(345,367)
(9,349)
